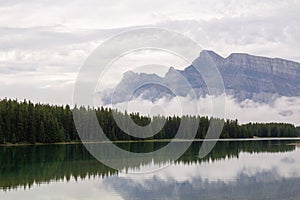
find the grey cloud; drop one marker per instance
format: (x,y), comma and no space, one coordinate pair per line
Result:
(286,113)
(59,35)
(34,48)
(47,37)
(58,93)
(6,69)
(250,34)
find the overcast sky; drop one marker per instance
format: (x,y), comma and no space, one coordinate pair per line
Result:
(44,43)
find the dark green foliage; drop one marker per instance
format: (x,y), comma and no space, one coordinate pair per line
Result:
(271,130)
(27,165)
(24,166)
(298,129)
(25,122)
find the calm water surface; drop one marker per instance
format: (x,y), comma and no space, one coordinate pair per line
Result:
(233,170)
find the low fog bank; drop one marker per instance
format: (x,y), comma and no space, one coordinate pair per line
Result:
(282,109)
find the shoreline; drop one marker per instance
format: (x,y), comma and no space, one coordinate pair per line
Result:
(157,140)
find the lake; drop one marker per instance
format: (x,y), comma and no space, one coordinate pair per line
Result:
(267,169)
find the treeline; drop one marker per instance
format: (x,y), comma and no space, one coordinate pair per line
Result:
(25,122)
(28,122)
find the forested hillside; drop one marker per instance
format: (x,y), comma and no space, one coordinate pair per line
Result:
(25,122)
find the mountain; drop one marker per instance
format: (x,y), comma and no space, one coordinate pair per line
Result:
(245,76)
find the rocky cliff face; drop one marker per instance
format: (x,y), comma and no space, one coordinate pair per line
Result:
(245,77)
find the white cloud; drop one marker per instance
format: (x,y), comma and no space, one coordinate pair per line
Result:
(283,109)
(53,38)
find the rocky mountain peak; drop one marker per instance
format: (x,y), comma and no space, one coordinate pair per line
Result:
(245,76)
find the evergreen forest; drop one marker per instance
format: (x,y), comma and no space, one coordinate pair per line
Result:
(27,122)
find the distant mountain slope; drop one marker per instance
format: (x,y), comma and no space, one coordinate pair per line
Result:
(245,77)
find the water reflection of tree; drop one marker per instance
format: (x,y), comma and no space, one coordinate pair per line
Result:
(25,165)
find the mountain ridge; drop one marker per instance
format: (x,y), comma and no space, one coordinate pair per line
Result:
(245,76)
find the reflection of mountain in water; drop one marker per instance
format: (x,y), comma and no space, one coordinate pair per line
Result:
(261,186)
(25,165)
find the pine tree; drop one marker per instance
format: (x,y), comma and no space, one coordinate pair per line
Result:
(2,139)
(31,134)
(41,133)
